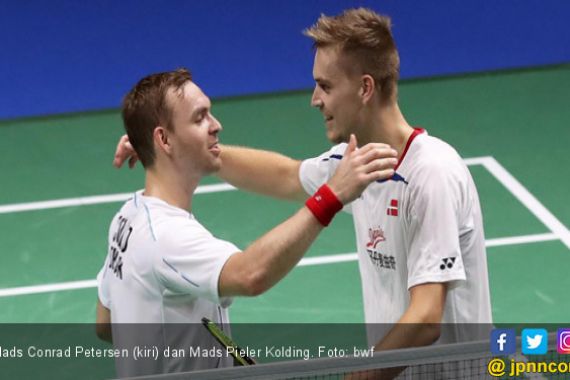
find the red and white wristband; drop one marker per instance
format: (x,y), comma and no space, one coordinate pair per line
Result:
(324,205)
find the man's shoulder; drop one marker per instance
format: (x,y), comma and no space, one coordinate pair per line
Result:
(334,154)
(127,210)
(433,162)
(178,227)
(435,146)
(164,221)
(431,153)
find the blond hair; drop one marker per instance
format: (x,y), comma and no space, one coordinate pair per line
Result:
(366,37)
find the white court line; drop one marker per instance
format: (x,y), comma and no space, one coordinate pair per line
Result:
(48,288)
(96,199)
(338,258)
(520,240)
(308,261)
(559,231)
(526,198)
(121,197)
(476,160)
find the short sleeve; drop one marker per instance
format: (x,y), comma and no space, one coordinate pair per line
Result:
(436,197)
(316,171)
(103,288)
(190,261)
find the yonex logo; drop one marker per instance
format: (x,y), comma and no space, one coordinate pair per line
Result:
(447,263)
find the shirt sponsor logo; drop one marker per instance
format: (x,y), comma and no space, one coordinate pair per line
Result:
(376,236)
(379,259)
(447,263)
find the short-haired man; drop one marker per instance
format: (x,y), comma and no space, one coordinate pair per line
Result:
(163,267)
(421,246)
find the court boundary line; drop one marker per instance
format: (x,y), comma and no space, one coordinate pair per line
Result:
(307,261)
(488,162)
(97,199)
(524,196)
(558,230)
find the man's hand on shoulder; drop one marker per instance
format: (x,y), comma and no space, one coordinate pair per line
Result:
(359,167)
(124,152)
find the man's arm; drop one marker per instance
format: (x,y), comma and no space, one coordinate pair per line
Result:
(262,172)
(418,326)
(255,170)
(103,323)
(420,323)
(268,259)
(259,171)
(271,257)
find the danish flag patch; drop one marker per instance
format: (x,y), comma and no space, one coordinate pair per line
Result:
(393,208)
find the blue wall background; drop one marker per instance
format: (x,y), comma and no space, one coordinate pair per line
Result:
(67,56)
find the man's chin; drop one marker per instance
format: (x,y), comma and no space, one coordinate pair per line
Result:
(217,166)
(335,138)
(214,167)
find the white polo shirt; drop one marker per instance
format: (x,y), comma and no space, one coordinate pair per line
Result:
(422,226)
(163,268)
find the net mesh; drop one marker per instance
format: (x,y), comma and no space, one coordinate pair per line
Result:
(450,361)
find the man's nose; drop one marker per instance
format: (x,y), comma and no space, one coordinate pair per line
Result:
(316,99)
(216,126)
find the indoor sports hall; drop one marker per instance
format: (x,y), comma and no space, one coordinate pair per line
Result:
(494,89)
(55,225)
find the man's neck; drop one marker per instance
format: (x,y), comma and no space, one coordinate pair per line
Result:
(171,187)
(387,125)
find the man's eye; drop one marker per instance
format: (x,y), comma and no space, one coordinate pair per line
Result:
(200,118)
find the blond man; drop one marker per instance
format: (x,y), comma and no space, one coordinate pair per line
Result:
(420,240)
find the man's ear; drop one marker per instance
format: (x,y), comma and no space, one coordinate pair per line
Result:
(367,87)
(161,139)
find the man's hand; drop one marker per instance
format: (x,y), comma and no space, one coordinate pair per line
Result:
(360,167)
(123,152)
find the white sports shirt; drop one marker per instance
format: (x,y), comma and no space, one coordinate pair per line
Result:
(424,225)
(163,269)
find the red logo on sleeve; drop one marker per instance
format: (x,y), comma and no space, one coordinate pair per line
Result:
(376,236)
